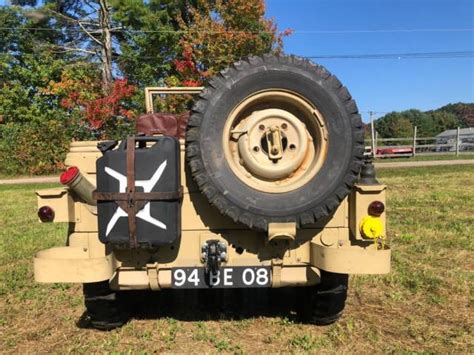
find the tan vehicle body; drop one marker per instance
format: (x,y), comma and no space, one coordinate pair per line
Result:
(295,256)
(334,244)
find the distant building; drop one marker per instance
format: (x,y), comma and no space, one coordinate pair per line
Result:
(448,140)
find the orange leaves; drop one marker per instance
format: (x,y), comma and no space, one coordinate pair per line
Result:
(81,95)
(102,109)
(192,83)
(222,33)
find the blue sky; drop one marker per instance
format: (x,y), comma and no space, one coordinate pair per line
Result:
(386,84)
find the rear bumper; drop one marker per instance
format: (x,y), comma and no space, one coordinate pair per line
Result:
(363,258)
(156,278)
(74,264)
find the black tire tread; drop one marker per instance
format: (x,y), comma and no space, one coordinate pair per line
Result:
(324,303)
(236,212)
(103,310)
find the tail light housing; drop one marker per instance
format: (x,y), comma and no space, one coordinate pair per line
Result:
(376,208)
(69,175)
(46,214)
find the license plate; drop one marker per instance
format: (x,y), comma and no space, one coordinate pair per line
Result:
(225,277)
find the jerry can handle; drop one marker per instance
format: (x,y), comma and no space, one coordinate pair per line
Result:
(141,139)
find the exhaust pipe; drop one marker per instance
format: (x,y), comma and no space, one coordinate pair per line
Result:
(73,179)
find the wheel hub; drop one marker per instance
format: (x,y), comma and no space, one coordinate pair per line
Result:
(274,143)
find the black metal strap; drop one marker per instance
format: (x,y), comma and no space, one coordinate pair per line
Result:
(139,196)
(132,206)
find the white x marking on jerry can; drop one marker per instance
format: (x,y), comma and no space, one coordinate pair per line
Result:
(147,185)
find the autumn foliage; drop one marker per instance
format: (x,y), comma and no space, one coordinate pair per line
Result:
(220,34)
(100,110)
(83,98)
(215,34)
(50,81)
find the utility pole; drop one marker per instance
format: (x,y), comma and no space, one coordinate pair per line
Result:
(414,141)
(457,142)
(372,133)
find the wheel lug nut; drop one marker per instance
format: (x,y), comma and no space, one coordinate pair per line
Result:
(256,149)
(261,127)
(284,126)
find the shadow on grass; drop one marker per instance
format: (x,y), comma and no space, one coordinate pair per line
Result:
(196,305)
(206,305)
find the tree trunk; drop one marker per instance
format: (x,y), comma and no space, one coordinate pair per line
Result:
(106,50)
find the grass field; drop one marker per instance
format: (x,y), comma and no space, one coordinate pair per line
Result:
(424,305)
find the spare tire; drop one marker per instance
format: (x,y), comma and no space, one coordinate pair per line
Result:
(275,139)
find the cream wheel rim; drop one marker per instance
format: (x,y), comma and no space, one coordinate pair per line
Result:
(275,141)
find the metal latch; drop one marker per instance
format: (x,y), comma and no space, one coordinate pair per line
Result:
(213,253)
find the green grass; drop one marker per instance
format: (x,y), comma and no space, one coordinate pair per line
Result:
(423,306)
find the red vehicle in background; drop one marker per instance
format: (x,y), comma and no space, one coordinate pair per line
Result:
(395,152)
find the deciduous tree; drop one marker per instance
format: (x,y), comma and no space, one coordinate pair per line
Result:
(80,65)
(217,34)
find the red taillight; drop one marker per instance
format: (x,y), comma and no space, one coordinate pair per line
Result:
(376,208)
(46,214)
(69,175)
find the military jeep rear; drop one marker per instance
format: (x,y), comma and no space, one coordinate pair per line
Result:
(268,188)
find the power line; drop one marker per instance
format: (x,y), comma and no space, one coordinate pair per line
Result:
(410,30)
(426,55)
(401,30)
(390,56)
(374,112)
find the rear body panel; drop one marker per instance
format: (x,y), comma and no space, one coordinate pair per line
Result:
(333,244)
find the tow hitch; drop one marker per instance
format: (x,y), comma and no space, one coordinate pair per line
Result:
(213,253)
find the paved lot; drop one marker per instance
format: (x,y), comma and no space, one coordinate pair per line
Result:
(30,180)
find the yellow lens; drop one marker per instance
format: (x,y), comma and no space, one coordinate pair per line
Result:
(371,227)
